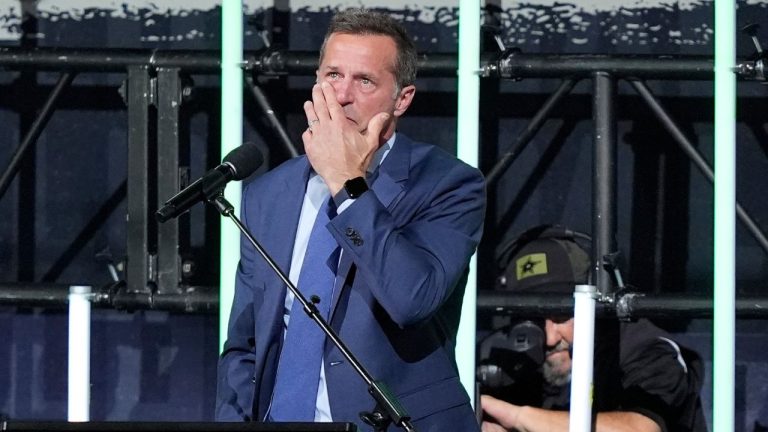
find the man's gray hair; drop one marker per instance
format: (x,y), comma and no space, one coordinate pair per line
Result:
(370,23)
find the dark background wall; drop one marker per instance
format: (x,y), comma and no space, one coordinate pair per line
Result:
(63,218)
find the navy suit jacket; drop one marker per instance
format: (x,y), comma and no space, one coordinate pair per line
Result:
(397,301)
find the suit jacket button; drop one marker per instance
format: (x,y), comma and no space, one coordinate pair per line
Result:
(350,232)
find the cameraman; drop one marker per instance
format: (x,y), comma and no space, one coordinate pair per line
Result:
(643,380)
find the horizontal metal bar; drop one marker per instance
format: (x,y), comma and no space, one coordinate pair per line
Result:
(107,60)
(627,305)
(283,62)
(206,300)
(271,62)
(34,295)
(195,300)
(202,301)
(516,65)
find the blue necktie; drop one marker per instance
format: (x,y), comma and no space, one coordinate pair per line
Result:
(298,372)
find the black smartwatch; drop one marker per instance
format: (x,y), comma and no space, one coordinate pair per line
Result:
(355,187)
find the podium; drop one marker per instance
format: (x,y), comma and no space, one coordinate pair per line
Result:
(46,426)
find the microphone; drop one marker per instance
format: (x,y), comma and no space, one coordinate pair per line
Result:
(237,165)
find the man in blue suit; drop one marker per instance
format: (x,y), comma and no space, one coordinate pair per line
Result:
(408,216)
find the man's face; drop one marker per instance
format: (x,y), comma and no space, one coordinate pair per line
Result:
(361,70)
(557,364)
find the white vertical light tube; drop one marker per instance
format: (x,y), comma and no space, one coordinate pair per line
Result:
(724,331)
(468,133)
(583,358)
(231,137)
(79,364)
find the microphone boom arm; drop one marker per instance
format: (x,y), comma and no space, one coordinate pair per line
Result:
(388,408)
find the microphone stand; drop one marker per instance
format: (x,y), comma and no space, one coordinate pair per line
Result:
(388,408)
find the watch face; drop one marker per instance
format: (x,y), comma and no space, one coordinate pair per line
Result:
(355,187)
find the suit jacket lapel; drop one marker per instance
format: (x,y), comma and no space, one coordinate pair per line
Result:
(285,201)
(287,204)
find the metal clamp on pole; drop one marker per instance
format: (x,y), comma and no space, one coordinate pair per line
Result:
(754,67)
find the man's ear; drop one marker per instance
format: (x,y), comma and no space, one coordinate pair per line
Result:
(404,99)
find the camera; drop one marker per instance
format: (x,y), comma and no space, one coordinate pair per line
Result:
(510,362)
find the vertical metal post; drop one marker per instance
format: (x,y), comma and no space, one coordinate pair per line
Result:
(168,177)
(604,177)
(139,97)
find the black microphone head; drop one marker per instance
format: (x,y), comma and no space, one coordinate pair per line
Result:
(244,160)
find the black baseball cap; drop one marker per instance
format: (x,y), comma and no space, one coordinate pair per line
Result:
(546,265)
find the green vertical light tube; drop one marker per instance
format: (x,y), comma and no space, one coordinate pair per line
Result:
(231,137)
(467,135)
(725,217)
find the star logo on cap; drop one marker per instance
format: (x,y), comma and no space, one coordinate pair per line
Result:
(531,265)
